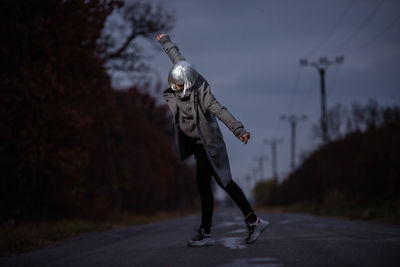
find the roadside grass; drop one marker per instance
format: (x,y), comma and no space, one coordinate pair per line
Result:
(26,236)
(377,213)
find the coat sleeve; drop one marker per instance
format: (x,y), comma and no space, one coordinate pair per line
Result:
(171,49)
(221,112)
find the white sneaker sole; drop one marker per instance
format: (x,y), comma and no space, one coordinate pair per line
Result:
(264,225)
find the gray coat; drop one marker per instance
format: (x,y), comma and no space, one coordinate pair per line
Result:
(205,110)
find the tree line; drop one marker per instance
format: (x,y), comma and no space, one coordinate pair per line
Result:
(358,168)
(71,145)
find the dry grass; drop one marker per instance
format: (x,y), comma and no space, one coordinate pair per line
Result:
(26,236)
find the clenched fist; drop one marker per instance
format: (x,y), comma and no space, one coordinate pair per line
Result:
(245,138)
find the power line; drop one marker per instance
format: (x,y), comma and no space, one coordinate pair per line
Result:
(333,29)
(376,36)
(365,22)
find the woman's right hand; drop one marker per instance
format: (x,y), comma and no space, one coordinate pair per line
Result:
(161,36)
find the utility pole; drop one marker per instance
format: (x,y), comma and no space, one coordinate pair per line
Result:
(321,66)
(255,174)
(248,183)
(293,121)
(260,160)
(273,142)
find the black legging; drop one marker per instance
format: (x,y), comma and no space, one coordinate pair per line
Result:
(204,172)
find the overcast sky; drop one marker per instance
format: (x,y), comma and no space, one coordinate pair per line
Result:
(249,52)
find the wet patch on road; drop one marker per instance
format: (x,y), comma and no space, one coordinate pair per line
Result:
(238,231)
(232,242)
(253,262)
(229,223)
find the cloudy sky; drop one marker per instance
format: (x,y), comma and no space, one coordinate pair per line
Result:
(249,52)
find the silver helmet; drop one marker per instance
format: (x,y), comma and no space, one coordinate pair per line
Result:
(183,73)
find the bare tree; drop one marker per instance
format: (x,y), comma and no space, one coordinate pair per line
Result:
(118,44)
(357,118)
(365,117)
(360,118)
(336,121)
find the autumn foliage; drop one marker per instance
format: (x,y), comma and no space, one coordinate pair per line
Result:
(71,145)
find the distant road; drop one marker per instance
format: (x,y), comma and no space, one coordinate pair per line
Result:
(291,240)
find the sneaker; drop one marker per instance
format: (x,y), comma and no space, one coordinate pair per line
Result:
(201,239)
(255,229)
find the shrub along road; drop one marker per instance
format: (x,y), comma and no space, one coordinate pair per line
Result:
(293,239)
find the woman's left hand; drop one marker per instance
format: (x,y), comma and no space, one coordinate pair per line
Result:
(245,138)
(161,36)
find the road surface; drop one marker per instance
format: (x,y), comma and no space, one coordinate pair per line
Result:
(292,239)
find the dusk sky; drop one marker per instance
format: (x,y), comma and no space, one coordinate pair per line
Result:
(249,52)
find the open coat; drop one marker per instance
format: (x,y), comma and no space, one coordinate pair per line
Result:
(205,110)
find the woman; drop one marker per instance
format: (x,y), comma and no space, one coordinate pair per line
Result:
(194,109)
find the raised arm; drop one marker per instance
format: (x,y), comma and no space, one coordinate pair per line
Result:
(170,48)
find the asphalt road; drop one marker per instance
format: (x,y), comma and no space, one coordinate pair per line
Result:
(291,240)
